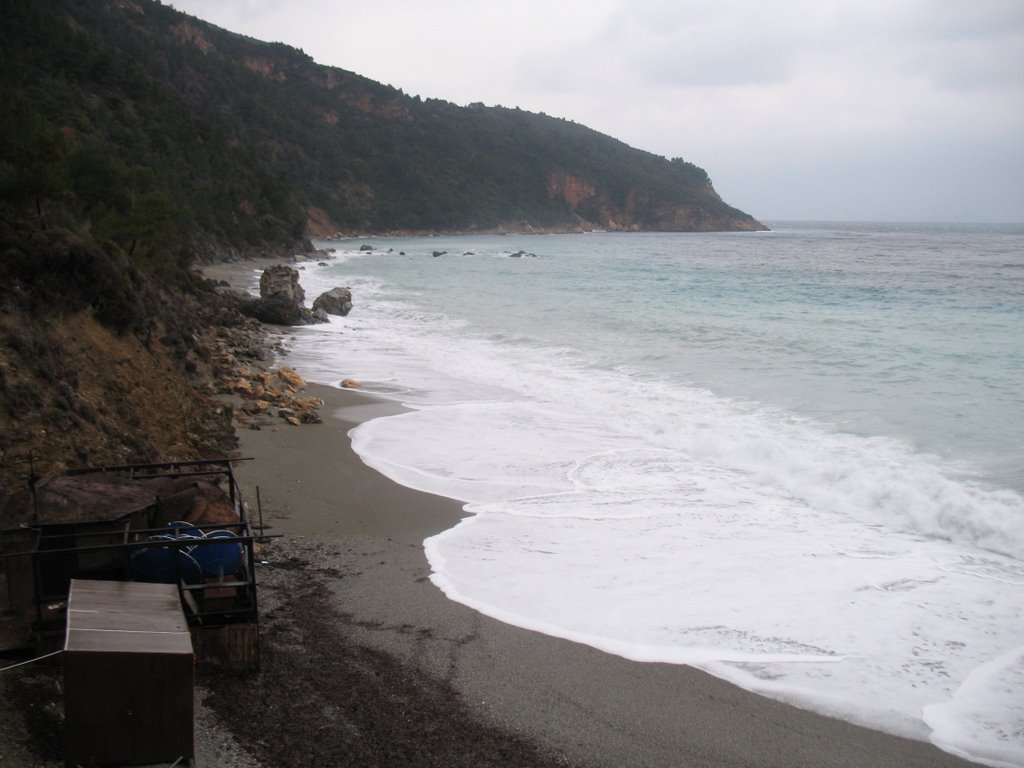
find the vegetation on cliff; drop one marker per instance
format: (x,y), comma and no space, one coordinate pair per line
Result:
(205,130)
(104,362)
(89,134)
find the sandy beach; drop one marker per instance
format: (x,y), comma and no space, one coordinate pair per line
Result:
(349,563)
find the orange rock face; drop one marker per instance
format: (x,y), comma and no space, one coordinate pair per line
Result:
(572,189)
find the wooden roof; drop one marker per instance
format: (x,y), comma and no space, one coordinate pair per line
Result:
(77,499)
(125,617)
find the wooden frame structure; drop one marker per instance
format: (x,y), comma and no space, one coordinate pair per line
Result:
(92,523)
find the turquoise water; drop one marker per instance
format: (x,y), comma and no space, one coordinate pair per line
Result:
(791,458)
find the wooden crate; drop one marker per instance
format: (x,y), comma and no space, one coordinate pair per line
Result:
(129,675)
(234,646)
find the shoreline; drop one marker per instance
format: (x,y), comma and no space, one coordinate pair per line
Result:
(361,538)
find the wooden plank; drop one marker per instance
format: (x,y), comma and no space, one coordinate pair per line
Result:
(234,646)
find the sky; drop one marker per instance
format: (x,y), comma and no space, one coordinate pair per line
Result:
(855,110)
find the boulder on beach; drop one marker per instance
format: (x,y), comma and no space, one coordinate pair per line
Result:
(278,312)
(281,299)
(337,301)
(266,393)
(281,282)
(291,377)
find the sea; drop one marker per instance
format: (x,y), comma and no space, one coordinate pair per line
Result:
(793,459)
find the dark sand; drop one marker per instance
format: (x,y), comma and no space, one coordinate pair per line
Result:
(368,663)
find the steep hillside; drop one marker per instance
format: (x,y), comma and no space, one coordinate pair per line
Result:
(104,362)
(355,154)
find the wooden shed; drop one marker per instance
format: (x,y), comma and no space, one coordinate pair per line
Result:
(128,675)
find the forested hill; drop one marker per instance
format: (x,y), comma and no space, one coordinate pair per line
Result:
(157,126)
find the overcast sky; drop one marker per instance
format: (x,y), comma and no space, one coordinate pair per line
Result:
(884,110)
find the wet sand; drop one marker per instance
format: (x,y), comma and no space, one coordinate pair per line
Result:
(349,566)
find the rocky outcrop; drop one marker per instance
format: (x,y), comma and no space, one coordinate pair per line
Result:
(641,210)
(213,250)
(274,393)
(281,282)
(572,189)
(337,301)
(281,299)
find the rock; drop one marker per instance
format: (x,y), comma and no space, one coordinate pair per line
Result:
(439,253)
(350,384)
(281,298)
(255,408)
(337,301)
(281,282)
(365,247)
(291,377)
(274,311)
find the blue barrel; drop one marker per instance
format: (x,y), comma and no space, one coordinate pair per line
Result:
(219,554)
(163,565)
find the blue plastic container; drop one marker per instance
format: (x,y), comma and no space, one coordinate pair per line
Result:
(164,565)
(219,554)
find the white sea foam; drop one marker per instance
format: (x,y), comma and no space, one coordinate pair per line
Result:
(623,507)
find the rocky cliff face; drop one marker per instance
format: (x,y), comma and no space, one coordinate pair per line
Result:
(643,211)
